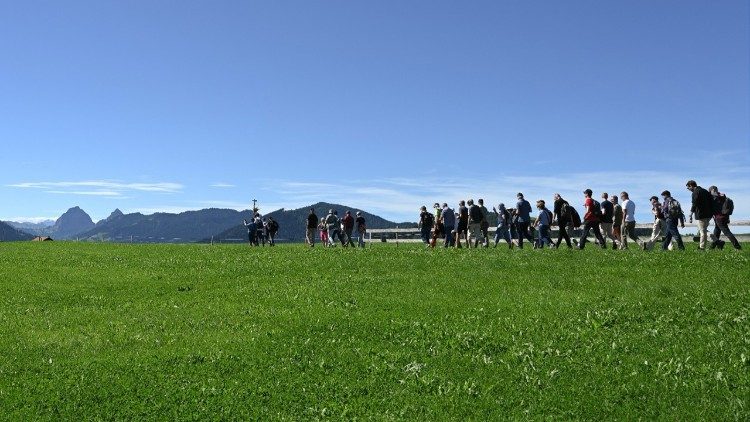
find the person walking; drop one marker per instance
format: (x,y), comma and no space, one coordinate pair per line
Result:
(607,219)
(591,220)
(616,221)
(723,208)
(475,224)
(361,229)
(251,231)
(273,228)
(628,218)
(485,225)
(659,222)
(347,223)
(672,211)
(462,226)
(323,228)
(332,224)
(312,223)
(523,211)
(561,216)
(702,209)
(503,225)
(449,225)
(543,223)
(439,231)
(425,224)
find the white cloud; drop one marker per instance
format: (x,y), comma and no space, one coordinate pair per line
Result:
(33,220)
(103,188)
(222,185)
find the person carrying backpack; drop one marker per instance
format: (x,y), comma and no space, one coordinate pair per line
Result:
(561,216)
(523,212)
(425,224)
(503,225)
(672,211)
(462,226)
(591,220)
(543,223)
(273,228)
(606,223)
(723,208)
(702,209)
(448,219)
(475,224)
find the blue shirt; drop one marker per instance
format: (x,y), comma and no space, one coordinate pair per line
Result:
(544,217)
(524,210)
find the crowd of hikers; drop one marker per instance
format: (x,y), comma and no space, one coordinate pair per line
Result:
(609,218)
(612,218)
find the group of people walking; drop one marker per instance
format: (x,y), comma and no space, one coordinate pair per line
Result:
(606,219)
(334,229)
(261,230)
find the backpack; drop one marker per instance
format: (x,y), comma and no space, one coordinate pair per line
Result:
(476,214)
(429,220)
(273,226)
(575,218)
(674,209)
(597,212)
(727,208)
(565,211)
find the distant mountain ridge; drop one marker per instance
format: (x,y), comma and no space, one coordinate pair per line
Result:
(37,229)
(9,233)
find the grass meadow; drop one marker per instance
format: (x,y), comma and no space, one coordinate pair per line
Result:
(223,332)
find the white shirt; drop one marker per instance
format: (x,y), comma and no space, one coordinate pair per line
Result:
(629,207)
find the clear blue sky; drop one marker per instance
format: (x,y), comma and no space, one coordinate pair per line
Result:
(387,105)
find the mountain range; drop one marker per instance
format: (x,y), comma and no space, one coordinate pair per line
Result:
(191,226)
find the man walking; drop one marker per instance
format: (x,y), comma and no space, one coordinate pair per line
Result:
(673,214)
(608,215)
(251,231)
(312,224)
(702,209)
(723,208)
(561,214)
(462,225)
(448,220)
(475,224)
(523,211)
(503,225)
(616,221)
(273,228)
(659,222)
(485,225)
(361,229)
(591,220)
(425,224)
(628,217)
(348,225)
(543,223)
(332,222)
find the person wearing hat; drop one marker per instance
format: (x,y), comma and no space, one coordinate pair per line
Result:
(590,221)
(361,229)
(702,209)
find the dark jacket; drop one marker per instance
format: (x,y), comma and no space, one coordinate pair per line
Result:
(718,203)
(703,206)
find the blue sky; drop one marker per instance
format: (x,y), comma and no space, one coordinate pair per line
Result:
(177,105)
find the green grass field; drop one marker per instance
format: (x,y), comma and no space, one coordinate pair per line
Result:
(108,331)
